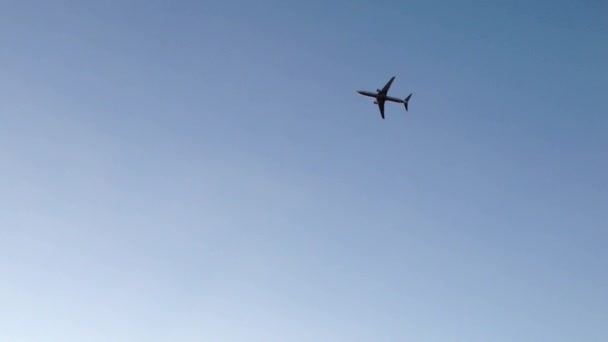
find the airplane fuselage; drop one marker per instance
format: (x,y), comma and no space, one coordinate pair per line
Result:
(379,96)
(367,93)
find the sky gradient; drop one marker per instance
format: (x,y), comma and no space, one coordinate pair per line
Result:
(206,171)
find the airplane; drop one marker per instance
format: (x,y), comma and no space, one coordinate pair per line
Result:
(381,96)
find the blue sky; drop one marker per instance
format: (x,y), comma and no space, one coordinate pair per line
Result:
(206,171)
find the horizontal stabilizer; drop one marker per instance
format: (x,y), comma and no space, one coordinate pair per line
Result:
(405,102)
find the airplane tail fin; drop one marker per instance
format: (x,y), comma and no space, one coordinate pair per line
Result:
(407,99)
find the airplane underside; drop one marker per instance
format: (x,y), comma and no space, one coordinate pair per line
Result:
(381,97)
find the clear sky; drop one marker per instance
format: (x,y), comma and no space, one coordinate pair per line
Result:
(206,171)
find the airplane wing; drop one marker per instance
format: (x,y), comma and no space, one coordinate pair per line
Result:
(388,85)
(381,107)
